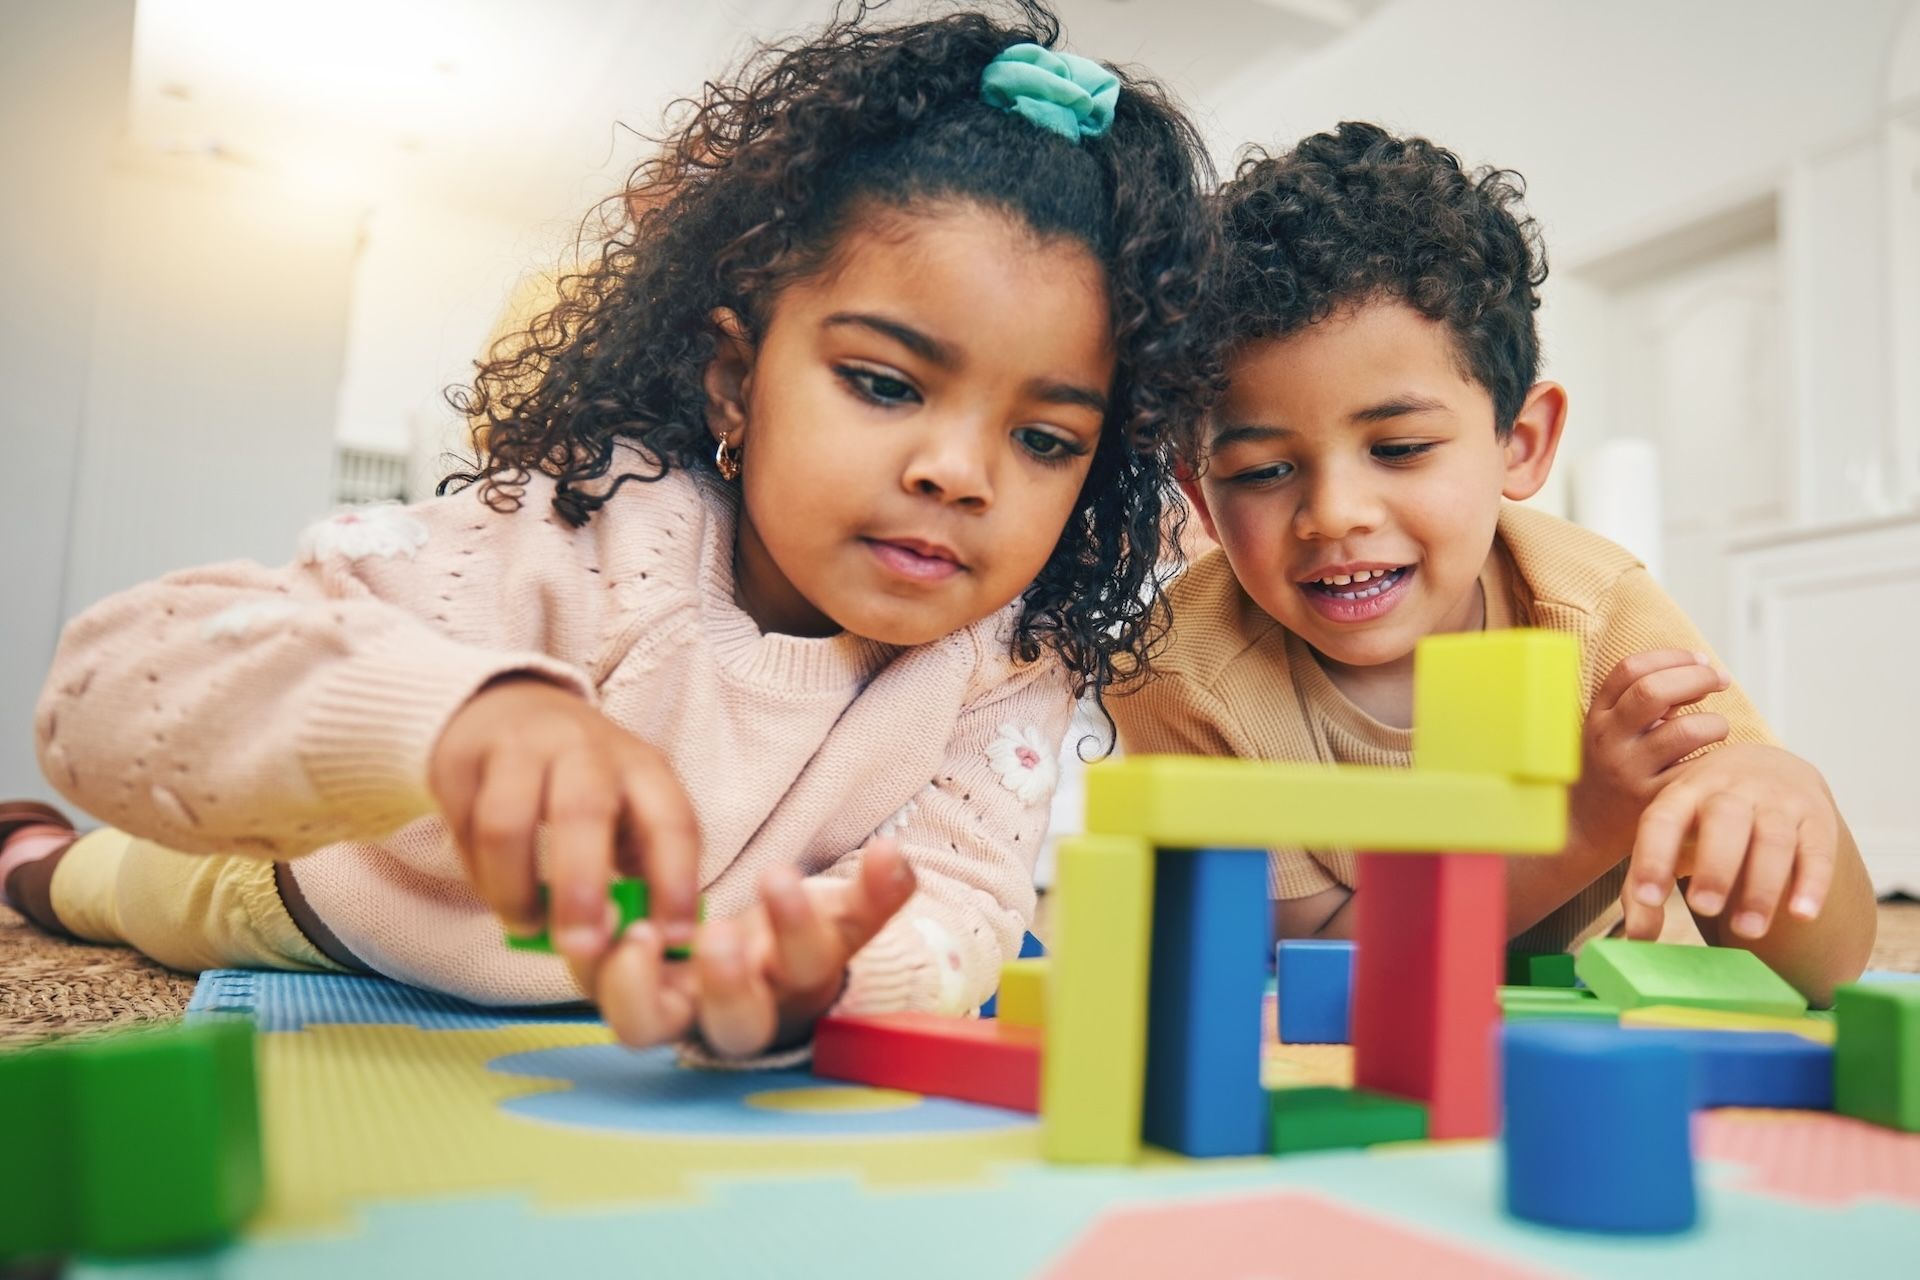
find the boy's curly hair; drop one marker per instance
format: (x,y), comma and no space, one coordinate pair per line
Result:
(752,189)
(1358,214)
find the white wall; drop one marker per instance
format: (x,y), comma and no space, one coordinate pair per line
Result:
(63,93)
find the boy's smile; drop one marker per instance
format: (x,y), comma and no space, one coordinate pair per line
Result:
(1354,476)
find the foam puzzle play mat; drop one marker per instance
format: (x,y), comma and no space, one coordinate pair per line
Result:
(1165,1094)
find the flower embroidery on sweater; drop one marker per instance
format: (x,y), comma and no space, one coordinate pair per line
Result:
(237,620)
(384,529)
(949,972)
(1026,762)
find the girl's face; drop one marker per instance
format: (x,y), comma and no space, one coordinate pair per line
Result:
(915,424)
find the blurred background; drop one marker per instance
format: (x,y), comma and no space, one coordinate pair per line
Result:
(246,244)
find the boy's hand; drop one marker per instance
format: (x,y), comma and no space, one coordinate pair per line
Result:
(760,979)
(1631,740)
(523,754)
(1761,819)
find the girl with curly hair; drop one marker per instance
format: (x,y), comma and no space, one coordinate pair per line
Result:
(800,521)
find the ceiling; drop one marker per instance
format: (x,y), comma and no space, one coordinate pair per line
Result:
(519,107)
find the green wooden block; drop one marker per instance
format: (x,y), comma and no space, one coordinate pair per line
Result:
(1876,1053)
(1521,1004)
(1540,969)
(628,895)
(156,1141)
(1326,1119)
(1629,974)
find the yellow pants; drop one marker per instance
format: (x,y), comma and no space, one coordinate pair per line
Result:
(189,911)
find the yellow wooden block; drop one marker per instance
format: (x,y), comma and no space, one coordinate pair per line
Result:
(1499,702)
(1095,1066)
(1202,801)
(1669,1015)
(1022,1001)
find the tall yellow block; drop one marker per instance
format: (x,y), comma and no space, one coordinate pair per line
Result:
(1095,1064)
(1505,703)
(1022,1001)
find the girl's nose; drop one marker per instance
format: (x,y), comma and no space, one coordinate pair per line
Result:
(950,463)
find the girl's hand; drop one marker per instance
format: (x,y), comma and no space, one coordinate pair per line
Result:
(1632,739)
(1761,818)
(761,979)
(523,754)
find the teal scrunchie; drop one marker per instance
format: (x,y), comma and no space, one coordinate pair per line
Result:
(1061,92)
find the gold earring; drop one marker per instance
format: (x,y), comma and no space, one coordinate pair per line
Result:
(726,460)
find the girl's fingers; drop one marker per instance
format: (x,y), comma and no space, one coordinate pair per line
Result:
(583,811)
(1631,670)
(1769,864)
(663,834)
(640,1007)
(883,885)
(1672,741)
(504,819)
(1726,829)
(806,950)
(1819,841)
(738,1012)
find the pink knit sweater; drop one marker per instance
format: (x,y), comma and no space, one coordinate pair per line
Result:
(289,714)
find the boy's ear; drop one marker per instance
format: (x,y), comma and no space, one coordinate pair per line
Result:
(1197,499)
(1534,440)
(728,377)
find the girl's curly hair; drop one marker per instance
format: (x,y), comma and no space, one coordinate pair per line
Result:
(1357,214)
(751,190)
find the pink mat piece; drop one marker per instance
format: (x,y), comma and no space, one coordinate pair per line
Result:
(1272,1236)
(1813,1156)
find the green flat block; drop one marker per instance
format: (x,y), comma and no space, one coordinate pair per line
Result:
(627,894)
(1195,802)
(1547,995)
(1325,1119)
(1529,1007)
(1540,969)
(1876,1053)
(143,1140)
(1631,974)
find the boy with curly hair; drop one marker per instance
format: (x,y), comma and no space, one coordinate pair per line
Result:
(1381,417)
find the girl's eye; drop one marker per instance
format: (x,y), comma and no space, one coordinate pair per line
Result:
(879,388)
(1401,452)
(1046,446)
(1266,474)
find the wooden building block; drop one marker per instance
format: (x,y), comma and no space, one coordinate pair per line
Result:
(1313,981)
(1519,1004)
(1187,802)
(1505,703)
(1092,1077)
(1022,1001)
(1540,969)
(1877,1053)
(990,1061)
(1432,934)
(1631,974)
(1818,1030)
(1324,1119)
(1211,929)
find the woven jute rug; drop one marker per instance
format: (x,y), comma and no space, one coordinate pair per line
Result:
(47,984)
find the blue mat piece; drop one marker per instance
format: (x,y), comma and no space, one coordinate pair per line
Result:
(291,1001)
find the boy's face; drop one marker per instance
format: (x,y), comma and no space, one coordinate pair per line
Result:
(1354,478)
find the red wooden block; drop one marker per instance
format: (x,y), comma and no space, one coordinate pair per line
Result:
(981,1060)
(1432,936)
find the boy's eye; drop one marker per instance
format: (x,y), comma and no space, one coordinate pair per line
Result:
(880,388)
(1401,452)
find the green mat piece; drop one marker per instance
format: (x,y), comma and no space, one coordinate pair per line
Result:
(1876,1053)
(1629,975)
(1540,969)
(1325,1119)
(627,894)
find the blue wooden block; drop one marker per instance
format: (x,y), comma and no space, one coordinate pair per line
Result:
(1597,1134)
(1751,1068)
(1211,929)
(1314,981)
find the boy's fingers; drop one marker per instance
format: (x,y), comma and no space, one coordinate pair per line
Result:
(661,821)
(583,811)
(882,887)
(1654,697)
(1819,842)
(1656,846)
(1726,829)
(805,949)
(738,1013)
(1674,740)
(505,818)
(1632,669)
(1770,858)
(640,1009)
